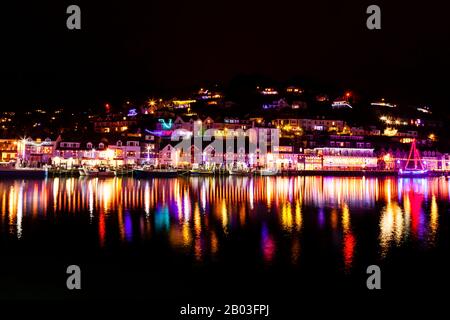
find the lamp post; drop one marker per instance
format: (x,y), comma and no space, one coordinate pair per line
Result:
(148,154)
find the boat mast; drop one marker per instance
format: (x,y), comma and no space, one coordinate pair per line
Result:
(414,156)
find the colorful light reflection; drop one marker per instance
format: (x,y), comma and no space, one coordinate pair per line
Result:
(200,215)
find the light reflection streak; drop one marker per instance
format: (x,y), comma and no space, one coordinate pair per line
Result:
(434,220)
(267,244)
(392,227)
(19,212)
(349,242)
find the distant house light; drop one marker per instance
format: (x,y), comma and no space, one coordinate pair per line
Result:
(424,109)
(269,91)
(339,104)
(293,89)
(383,104)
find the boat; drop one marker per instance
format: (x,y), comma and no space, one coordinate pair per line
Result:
(12,172)
(413,173)
(123,172)
(269,172)
(82,172)
(101,172)
(104,172)
(414,166)
(240,171)
(198,170)
(155,173)
(201,172)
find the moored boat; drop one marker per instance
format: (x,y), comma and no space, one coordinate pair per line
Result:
(123,172)
(101,172)
(155,173)
(240,171)
(412,173)
(268,172)
(105,172)
(37,173)
(201,170)
(414,166)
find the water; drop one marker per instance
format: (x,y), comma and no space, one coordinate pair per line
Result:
(194,237)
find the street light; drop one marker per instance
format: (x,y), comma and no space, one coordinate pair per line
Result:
(148,153)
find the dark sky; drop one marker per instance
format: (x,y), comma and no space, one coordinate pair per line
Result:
(136,48)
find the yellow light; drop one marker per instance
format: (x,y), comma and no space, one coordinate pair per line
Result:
(110,154)
(390,132)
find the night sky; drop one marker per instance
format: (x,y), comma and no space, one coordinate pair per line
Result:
(133,49)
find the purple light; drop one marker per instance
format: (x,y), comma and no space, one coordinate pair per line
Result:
(128,226)
(132,113)
(321,217)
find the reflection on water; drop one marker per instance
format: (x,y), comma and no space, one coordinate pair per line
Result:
(197,215)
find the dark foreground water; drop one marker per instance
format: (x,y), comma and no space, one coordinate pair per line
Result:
(223,240)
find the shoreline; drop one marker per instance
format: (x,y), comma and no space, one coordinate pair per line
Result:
(42,174)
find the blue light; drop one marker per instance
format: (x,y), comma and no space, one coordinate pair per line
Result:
(166,126)
(156,133)
(132,113)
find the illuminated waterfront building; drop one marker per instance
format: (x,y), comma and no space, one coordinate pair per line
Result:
(8,150)
(124,153)
(35,153)
(337,158)
(68,154)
